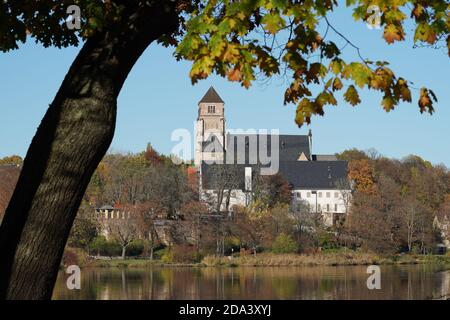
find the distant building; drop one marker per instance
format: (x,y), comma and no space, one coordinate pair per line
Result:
(107,213)
(319,181)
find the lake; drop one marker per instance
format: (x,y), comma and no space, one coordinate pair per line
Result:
(324,282)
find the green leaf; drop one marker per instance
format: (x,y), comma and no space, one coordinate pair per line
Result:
(273,22)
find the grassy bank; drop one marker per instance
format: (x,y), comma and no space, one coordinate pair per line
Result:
(322,259)
(134,263)
(340,258)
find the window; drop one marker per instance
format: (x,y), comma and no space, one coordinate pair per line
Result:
(299,195)
(328,207)
(328,194)
(336,195)
(308,194)
(320,194)
(335,207)
(319,207)
(211,109)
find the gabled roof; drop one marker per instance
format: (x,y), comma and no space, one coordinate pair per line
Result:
(290,147)
(308,175)
(211,96)
(314,174)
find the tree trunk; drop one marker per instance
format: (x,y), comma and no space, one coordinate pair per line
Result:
(227,202)
(219,200)
(124,252)
(72,138)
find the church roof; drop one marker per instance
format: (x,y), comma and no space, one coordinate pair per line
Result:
(320,172)
(314,174)
(211,96)
(290,147)
(300,174)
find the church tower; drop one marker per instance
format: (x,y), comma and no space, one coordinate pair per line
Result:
(210,140)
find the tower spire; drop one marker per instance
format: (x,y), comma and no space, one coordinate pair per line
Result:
(211,96)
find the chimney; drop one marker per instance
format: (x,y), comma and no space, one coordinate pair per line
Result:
(310,141)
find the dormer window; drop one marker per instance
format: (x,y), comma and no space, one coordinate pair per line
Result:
(211,109)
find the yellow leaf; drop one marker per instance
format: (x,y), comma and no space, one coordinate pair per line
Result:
(393,33)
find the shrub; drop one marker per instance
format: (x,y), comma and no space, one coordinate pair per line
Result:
(181,254)
(74,256)
(232,244)
(167,256)
(159,253)
(103,247)
(135,248)
(186,254)
(284,244)
(327,240)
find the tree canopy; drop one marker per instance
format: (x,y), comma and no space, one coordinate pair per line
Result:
(241,40)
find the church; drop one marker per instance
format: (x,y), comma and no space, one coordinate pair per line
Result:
(317,181)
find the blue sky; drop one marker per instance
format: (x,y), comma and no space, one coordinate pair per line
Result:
(158,97)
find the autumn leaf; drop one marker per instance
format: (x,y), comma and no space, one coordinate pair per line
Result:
(388,103)
(425,101)
(393,33)
(425,33)
(337,84)
(234,75)
(418,10)
(304,111)
(273,22)
(352,96)
(402,91)
(337,65)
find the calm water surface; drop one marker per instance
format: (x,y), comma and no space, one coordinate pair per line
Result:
(348,282)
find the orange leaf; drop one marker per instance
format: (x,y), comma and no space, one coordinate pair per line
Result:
(234,75)
(393,33)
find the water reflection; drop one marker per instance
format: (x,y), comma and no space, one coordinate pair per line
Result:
(397,282)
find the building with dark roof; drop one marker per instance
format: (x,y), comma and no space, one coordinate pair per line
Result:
(315,179)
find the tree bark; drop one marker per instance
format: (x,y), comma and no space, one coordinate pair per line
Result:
(124,251)
(72,138)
